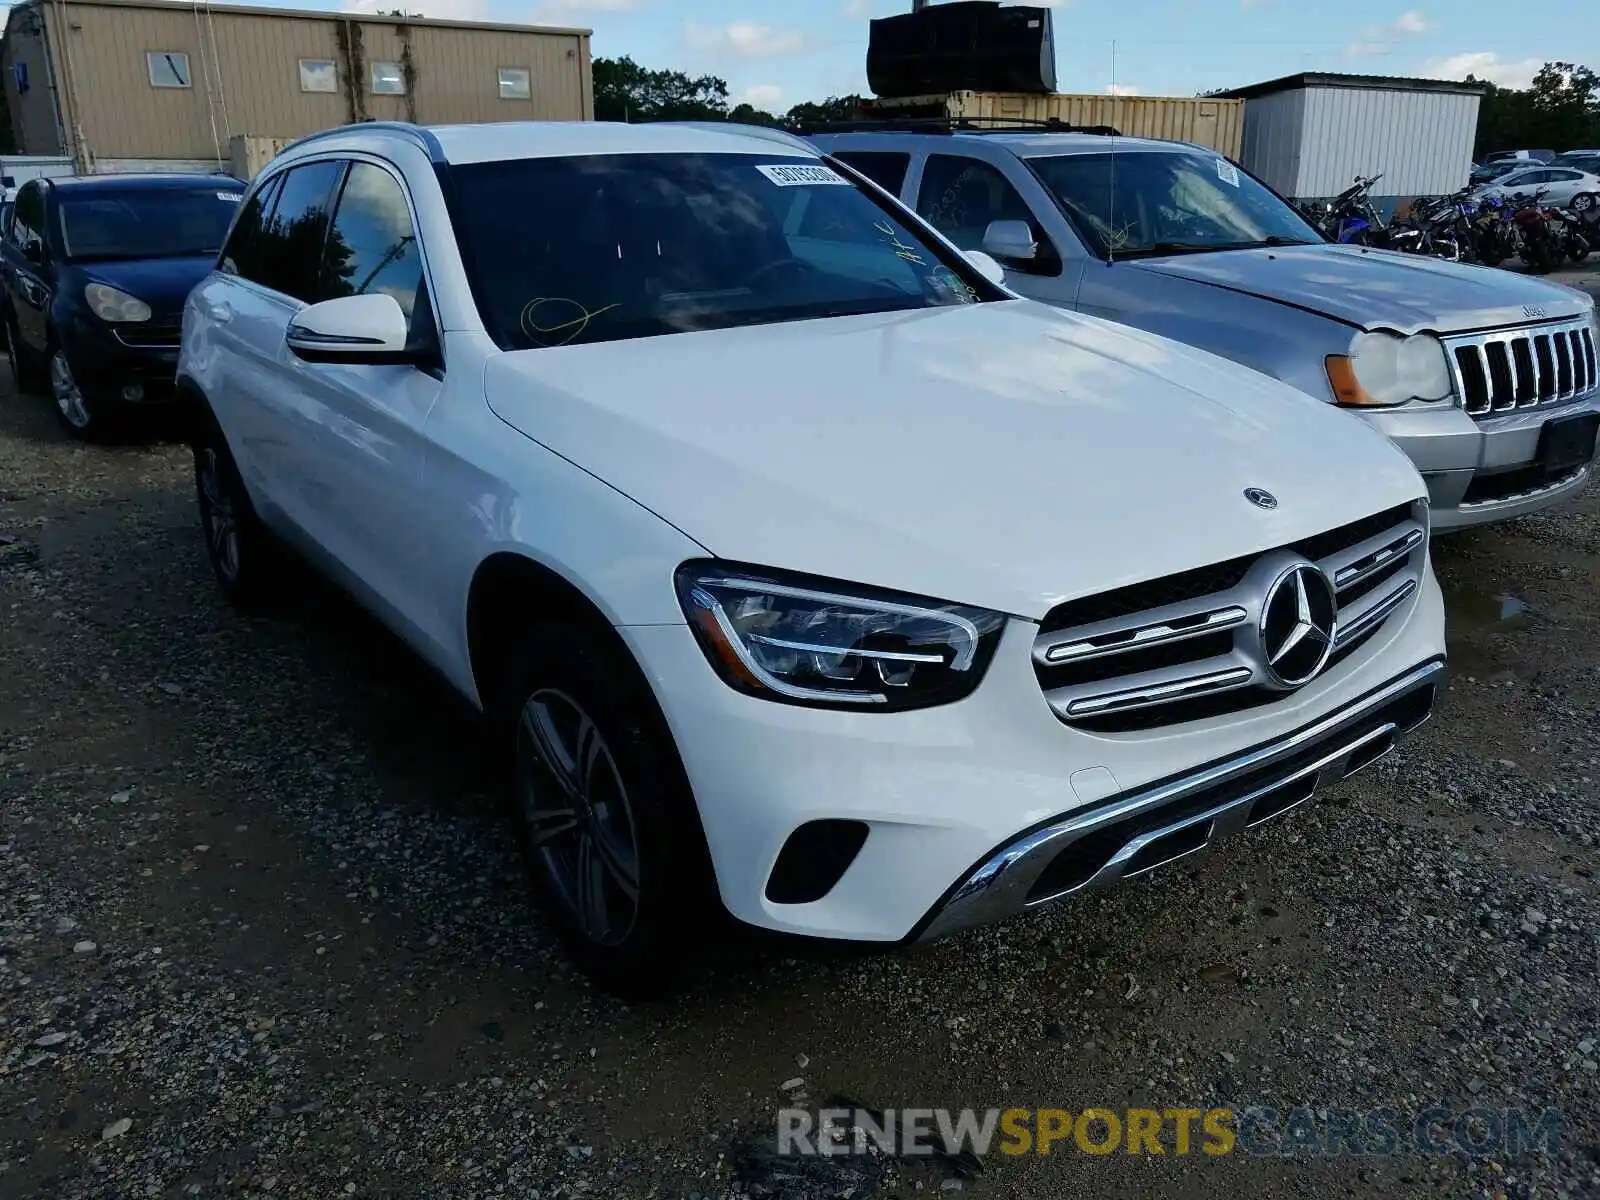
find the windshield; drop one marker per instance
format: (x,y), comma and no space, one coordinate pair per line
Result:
(567,251)
(146,222)
(1157,202)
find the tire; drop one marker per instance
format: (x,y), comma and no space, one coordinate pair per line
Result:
(602,809)
(243,557)
(1584,202)
(79,415)
(25,373)
(1577,248)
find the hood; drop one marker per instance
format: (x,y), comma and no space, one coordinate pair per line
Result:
(1005,454)
(162,283)
(1374,289)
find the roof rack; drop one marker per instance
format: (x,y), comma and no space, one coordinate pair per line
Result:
(959,125)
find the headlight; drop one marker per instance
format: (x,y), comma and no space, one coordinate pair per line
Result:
(109,304)
(1384,369)
(813,642)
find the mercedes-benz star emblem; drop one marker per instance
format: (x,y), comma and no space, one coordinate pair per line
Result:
(1297,626)
(1261,498)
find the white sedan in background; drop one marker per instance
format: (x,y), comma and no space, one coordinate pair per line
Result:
(1563,187)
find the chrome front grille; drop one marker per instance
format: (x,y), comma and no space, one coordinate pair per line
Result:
(149,337)
(1508,369)
(1191,645)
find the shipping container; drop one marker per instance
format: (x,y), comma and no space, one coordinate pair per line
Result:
(1310,135)
(1216,124)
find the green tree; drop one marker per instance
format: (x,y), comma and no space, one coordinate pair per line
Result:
(625,91)
(1560,111)
(748,114)
(834,108)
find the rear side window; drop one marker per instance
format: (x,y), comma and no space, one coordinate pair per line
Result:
(372,246)
(241,255)
(886,170)
(291,241)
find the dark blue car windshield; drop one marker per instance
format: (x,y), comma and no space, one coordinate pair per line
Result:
(146,222)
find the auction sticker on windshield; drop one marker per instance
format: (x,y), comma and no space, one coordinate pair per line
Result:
(1227,172)
(808,175)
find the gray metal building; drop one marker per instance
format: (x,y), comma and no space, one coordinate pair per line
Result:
(1309,135)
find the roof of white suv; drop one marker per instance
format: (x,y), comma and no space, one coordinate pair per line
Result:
(503,140)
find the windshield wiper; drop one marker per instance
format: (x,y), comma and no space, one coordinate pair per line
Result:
(1158,249)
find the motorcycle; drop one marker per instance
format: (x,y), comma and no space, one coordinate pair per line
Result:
(1495,236)
(1350,216)
(1439,226)
(1542,248)
(1575,235)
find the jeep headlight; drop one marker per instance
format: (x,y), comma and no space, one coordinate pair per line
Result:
(833,645)
(1385,369)
(111,304)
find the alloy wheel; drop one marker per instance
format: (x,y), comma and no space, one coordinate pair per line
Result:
(221,520)
(578,816)
(69,396)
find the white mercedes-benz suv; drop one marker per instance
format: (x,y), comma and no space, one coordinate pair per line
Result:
(804,568)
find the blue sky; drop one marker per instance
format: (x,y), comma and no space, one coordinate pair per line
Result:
(778,52)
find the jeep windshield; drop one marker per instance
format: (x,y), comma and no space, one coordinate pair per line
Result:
(1147,203)
(569,250)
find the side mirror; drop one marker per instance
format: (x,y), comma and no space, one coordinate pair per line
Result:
(1010,239)
(351,329)
(987,266)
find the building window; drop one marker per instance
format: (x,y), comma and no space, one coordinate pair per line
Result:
(516,83)
(168,68)
(388,79)
(318,75)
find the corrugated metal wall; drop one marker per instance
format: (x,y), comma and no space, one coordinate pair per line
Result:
(455,75)
(1214,123)
(1274,128)
(1420,141)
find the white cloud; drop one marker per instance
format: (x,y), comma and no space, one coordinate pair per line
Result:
(857,8)
(763,95)
(746,39)
(1122,89)
(1377,39)
(1485,64)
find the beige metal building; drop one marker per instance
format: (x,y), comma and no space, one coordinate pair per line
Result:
(135,84)
(1206,121)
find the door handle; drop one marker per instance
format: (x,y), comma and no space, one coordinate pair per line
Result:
(221,313)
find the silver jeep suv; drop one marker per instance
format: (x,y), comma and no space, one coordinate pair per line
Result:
(1485,378)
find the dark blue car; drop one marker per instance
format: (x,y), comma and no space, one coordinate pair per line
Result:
(96,272)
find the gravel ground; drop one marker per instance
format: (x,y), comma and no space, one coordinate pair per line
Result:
(262,932)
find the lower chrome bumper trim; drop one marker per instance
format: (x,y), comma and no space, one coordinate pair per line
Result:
(1132,834)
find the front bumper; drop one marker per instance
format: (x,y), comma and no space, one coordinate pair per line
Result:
(939,789)
(1484,470)
(106,361)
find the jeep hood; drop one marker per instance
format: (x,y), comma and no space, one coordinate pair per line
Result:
(1373,289)
(1005,454)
